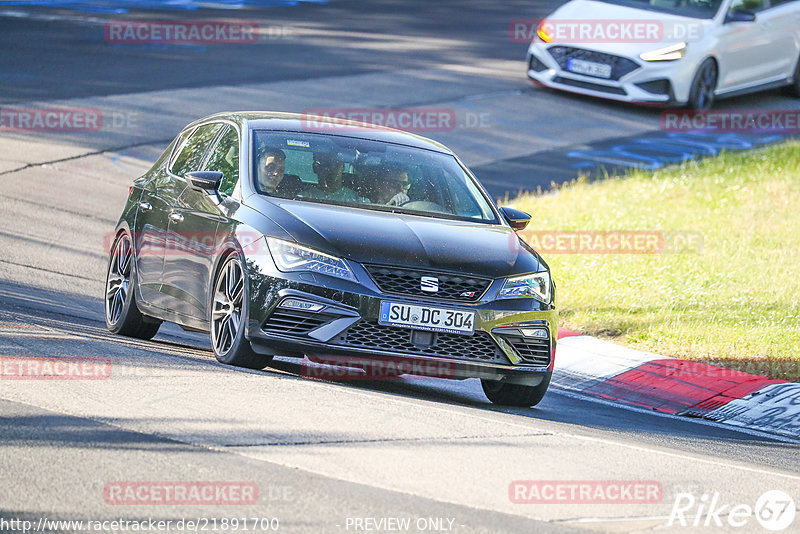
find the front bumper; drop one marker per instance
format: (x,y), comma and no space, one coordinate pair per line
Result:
(346,329)
(660,83)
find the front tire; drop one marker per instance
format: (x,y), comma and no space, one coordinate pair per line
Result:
(701,96)
(794,88)
(122,315)
(506,394)
(229,317)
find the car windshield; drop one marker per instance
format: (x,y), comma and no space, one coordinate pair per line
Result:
(374,175)
(698,9)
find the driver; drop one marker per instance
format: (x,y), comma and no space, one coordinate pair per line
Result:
(392,190)
(271,177)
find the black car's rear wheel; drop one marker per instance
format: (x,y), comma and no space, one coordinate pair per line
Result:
(506,394)
(122,315)
(228,318)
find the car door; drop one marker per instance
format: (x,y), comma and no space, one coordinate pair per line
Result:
(782,21)
(176,263)
(159,194)
(193,222)
(744,49)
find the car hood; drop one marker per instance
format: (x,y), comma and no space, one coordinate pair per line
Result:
(402,240)
(674,28)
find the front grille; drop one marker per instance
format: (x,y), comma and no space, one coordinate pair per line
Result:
(535,351)
(407,282)
(294,322)
(620,66)
(589,85)
(369,335)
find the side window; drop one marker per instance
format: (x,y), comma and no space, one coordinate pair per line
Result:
(191,155)
(774,3)
(748,5)
(225,158)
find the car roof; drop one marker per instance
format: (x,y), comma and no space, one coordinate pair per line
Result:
(299,122)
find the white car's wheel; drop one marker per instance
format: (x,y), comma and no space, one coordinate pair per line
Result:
(794,88)
(704,86)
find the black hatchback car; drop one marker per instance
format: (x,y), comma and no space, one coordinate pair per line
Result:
(283,234)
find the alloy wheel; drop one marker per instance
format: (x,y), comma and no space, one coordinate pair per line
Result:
(706,85)
(119,279)
(226,314)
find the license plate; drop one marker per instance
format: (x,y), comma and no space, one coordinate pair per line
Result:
(427,318)
(589,68)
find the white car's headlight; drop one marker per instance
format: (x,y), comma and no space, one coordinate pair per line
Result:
(535,285)
(669,53)
(291,257)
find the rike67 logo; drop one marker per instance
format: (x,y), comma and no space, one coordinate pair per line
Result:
(774,510)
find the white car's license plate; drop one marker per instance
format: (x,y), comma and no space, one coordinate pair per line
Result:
(427,318)
(589,68)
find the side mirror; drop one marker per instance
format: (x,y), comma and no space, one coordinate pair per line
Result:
(517,219)
(740,15)
(205,180)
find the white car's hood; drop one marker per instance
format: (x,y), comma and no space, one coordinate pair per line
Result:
(673,28)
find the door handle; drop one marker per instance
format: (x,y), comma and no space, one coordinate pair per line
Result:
(145,206)
(175,217)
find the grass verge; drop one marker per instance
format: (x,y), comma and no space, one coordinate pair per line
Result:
(727,290)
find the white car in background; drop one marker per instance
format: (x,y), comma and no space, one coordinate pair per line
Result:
(668,52)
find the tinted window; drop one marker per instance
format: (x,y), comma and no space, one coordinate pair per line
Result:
(367,174)
(774,3)
(191,155)
(747,5)
(225,158)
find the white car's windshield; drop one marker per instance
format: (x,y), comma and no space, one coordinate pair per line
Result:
(699,9)
(368,174)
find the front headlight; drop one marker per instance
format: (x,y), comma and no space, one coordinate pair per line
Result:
(669,53)
(291,257)
(535,285)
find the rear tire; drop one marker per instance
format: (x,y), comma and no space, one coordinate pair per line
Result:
(229,317)
(506,394)
(701,96)
(122,314)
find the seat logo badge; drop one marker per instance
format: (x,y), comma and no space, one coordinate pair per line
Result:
(429,284)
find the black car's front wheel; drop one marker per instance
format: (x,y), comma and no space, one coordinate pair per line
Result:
(228,316)
(122,315)
(506,394)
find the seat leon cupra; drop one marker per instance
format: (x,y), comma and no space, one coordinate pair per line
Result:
(284,234)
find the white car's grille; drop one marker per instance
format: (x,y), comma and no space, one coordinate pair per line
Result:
(620,66)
